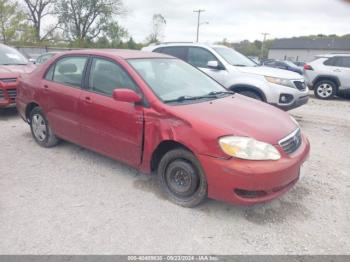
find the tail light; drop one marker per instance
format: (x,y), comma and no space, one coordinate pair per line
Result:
(308,67)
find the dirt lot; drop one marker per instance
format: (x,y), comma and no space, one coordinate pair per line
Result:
(68,200)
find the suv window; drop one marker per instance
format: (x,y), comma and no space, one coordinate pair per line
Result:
(68,70)
(343,61)
(199,57)
(177,51)
(330,61)
(106,76)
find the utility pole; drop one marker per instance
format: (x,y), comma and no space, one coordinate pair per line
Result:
(199,11)
(263,45)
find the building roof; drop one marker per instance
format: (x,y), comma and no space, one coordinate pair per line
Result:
(319,44)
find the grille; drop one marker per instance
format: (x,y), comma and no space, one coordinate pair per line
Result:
(8,80)
(300,85)
(292,142)
(12,93)
(1,94)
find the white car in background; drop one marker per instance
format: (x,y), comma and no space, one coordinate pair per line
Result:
(329,75)
(236,72)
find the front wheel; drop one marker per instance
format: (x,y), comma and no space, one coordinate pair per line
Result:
(182,178)
(41,129)
(251,94)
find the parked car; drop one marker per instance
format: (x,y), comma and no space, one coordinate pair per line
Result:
(329,75)
(158,113)
(44,57)
(285,65)
(12,63)
(286,90)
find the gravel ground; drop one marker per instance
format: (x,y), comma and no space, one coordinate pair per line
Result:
(68,200)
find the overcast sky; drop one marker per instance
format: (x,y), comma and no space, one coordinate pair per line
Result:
(238,19)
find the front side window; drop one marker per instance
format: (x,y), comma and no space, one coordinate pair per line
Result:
(171,79)
(69,71)
(234,58)
(106,76)
(344,61)
(199,57)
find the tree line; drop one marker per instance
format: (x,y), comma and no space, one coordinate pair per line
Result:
(70,23)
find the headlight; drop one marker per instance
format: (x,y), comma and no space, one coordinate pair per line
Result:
(279,81)
(248,148)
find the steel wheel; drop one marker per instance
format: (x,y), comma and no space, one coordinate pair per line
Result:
(39,127)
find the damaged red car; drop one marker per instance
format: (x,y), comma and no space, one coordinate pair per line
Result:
(12,64)
(161,115)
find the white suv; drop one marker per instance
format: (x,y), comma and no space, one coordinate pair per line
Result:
(329,75)
(282,88)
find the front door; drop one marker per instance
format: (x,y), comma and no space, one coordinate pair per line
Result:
(110,127)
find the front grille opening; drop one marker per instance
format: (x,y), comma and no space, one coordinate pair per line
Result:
(1,94)
(300,85)
(12,93)
(250,194)
(8,80)
(291,143)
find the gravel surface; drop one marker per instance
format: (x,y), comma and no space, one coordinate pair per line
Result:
(68,200)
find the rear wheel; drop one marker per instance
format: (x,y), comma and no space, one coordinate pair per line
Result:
(325,89)
(41,129)
(182,178)
(251,94)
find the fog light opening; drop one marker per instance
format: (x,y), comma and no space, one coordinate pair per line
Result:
(250,194)
(286,98)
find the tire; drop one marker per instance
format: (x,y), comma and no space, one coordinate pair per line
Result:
(182,178)
(325,89)
(41,130)
(251,94)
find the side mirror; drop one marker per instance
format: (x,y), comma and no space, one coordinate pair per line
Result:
(214,65)
(126,95)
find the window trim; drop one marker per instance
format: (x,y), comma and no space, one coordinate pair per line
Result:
(221,65)
(53,64)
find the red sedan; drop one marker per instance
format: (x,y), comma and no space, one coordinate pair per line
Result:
(12,64)
(157,113)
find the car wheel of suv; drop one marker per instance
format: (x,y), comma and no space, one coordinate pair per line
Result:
(325,89)
(251,94)
(41,129)
(182,178)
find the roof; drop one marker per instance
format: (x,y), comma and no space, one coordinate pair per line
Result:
(122,53)
(332,55)
(305,43)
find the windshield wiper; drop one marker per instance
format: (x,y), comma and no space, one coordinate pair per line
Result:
(13,64)
(221,93)
(240,65)
(189,98)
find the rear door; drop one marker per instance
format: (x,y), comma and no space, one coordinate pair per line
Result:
(108,126)
(61,92)
(343,64)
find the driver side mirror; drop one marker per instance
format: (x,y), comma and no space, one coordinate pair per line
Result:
(126,95)
(214,65)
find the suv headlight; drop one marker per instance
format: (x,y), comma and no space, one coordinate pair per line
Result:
(279,81)
(248,148)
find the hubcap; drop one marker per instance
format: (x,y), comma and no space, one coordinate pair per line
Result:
(39,127)
(325,90)
(181,179)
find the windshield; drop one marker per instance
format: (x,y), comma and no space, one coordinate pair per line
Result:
(10,56)
(234,58)
(171,79)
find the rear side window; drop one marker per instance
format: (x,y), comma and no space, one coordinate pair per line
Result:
(199,57)
(330,61)
(68,71)
(178,51)
(106,76)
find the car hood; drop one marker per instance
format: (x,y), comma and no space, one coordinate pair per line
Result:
(9,71)
(269,71)
(238,115)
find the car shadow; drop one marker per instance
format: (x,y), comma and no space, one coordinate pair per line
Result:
(8,113)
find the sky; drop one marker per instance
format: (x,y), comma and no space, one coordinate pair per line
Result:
(237,20)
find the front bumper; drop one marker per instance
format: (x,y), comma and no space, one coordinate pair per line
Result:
(251,182)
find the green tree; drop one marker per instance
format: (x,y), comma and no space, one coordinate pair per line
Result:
(85,20)
(12,21)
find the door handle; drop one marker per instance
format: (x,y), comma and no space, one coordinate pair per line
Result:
(46,88)
(337,70)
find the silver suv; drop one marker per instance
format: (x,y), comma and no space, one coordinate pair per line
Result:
(329,75)
(284,89)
